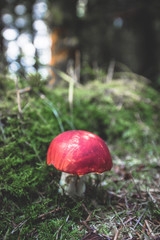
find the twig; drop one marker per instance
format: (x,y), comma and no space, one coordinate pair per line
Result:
(114,194)
(19,226)
(116,235)
(128,220)
(139,219)
(152,198)
(87,219)
(138,235)
(144,228)
(19,92)
(150,230)
(117,214)
(126,202)
(85,208)
(52,211)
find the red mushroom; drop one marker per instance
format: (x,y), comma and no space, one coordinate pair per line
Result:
(77,153)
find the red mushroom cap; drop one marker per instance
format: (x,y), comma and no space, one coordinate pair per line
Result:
(79,152)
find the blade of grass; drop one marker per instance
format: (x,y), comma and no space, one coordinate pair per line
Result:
(54,111)
(63,75)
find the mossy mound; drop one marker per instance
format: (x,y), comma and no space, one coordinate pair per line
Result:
(124,112)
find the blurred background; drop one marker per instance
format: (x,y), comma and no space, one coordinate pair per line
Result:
(90,34)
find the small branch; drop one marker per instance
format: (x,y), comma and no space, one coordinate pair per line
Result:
(52,211)
(19,92)
(129,220)
(149,229)
(116,235)
(117,215)
(85,208)
(139,219)
(24,90)
(138,235)
(152,198)
(19,225)
(87,219)
(126,202)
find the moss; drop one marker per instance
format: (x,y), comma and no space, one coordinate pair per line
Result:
(124,113)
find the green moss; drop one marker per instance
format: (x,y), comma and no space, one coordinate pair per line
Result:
(124,113)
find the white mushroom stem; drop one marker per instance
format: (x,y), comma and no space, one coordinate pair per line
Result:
(72,185)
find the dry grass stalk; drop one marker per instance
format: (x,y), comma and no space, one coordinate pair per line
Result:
(110,71)
(116,235)
(150,232)
(19,92)
(72,74)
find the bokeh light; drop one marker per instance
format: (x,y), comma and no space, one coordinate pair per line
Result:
(12,52)
(20,9)
(10,34)
(7,18)
(21,22)
(118,22)
(25,46)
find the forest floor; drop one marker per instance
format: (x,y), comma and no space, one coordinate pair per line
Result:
(121,204)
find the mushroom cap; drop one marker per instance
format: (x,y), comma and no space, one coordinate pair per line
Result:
(79,152)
